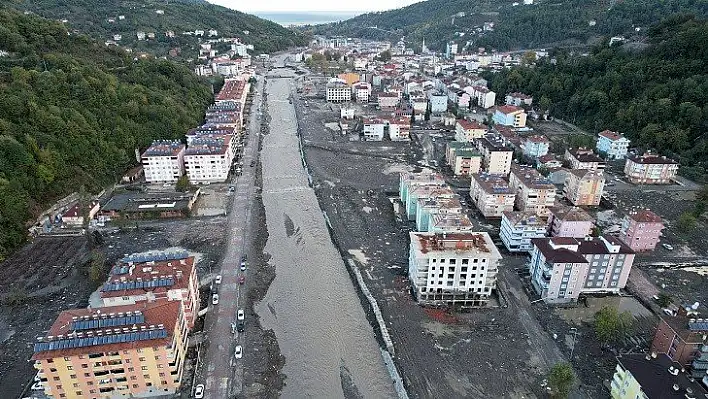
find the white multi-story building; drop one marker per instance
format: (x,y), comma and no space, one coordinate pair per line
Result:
(362,91)
(518,228)
(399,128)
(534,192)
(438,102)
(163,161)
(612,144)
(209,159)
(518,99)
(485,97)
(453,269)
(374,129)
(491,194)
(496,154)
(338,91)
(508,115)
(650,169)
(467,131)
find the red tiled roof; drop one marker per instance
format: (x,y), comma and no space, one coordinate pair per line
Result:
(508,109)
(155,313)
(645,216)
(610,135)
(470,125)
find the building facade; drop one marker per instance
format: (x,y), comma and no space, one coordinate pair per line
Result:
(508,115)
(535,146)
(518,99)
(639,376)
(584,158)
(584,187)
(569,222)
(518,228)
(163,161)
(492,195)
(612,144)
(681,337)
(650,169)
(534,192)
(562,268)
(209,159)
(337,91)
(496,154)
(641,230)
(122,351)
(453,269)
(468,131)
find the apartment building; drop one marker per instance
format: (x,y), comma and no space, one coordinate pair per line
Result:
(492,195)
(682,336)
(453,269)
(641,230)
(534,192)
(569,222)
(209,159)
(374,129)
(450,223)
(496,154)
(409,180)
(509,115)
(468,131)
(653,375)
(584,158)
(485,98)
(417,193)
(210,131)
(154,277)
(122,351)
(438,102)
(428,208)
(163,161)
(584,187)
(233,90)
(562,268)
(518,228)
(399,128)
(614,145)
(650,169)
(362,92)
(518,99)
(337,91)
(388,101)
(535,146)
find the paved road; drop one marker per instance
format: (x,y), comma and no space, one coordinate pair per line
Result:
(218,370)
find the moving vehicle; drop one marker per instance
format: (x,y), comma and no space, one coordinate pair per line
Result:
(240,326)
(241,279)
(243,265)
(238,353)
(217,280)
(668,247)
(199,391)
(241,315)
(215,299)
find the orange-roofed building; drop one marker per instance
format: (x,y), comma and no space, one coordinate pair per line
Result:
(122,351)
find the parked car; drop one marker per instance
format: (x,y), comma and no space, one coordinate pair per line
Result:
(668,247)
(217,280)
(241,315)
(253,163)
(243,265)
(241,279)
(215,299)
(199,391)
(240,326)
(238,353)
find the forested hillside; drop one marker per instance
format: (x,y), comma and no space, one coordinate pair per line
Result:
(99,18)
(658,97)
(72,111)
(546,23)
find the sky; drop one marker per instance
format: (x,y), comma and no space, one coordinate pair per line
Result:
(362,6)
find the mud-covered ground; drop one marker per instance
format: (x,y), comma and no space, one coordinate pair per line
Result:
(439,354)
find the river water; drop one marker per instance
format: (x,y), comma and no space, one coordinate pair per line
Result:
(329,347)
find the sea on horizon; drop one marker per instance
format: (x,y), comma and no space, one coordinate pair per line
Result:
(305,18)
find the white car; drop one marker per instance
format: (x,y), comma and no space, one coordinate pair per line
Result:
(238,353)
(243,265)
(668,247)
(215,299)
(217,280)
(241,315)
(199,391)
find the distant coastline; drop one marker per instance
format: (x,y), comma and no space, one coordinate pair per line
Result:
(305,18)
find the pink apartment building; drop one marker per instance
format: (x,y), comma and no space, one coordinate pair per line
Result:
(641,230)
(569,222)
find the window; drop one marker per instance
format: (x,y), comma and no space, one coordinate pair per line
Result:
(157,357)
(56,378)
(79,393)
(84,366)
(453,261)
(73,376)
(142,359)
(465,262)
(146,376)
(464,268)
(144,368)
(66,358)
(135,385)
(132,377)
(148,384)
(87,374)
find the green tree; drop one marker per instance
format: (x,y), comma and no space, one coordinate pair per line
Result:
(561,379)
(183,184)
(611,326)
(385,56)
(97,272)
(664,300)
(687,222)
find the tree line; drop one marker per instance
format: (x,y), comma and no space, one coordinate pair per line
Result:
(72,112)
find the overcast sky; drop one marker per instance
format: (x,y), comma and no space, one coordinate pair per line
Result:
(313,5)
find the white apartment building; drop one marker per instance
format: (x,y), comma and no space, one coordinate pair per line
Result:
(453,269)
(374,129)
(399,128)
(491,194)
(467,131)
(533,191)
(485,97)
(362,92)
(612,144)
(518,228)
(338,91)
(163,161)
(496,154)
(438,102)
(209,159)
